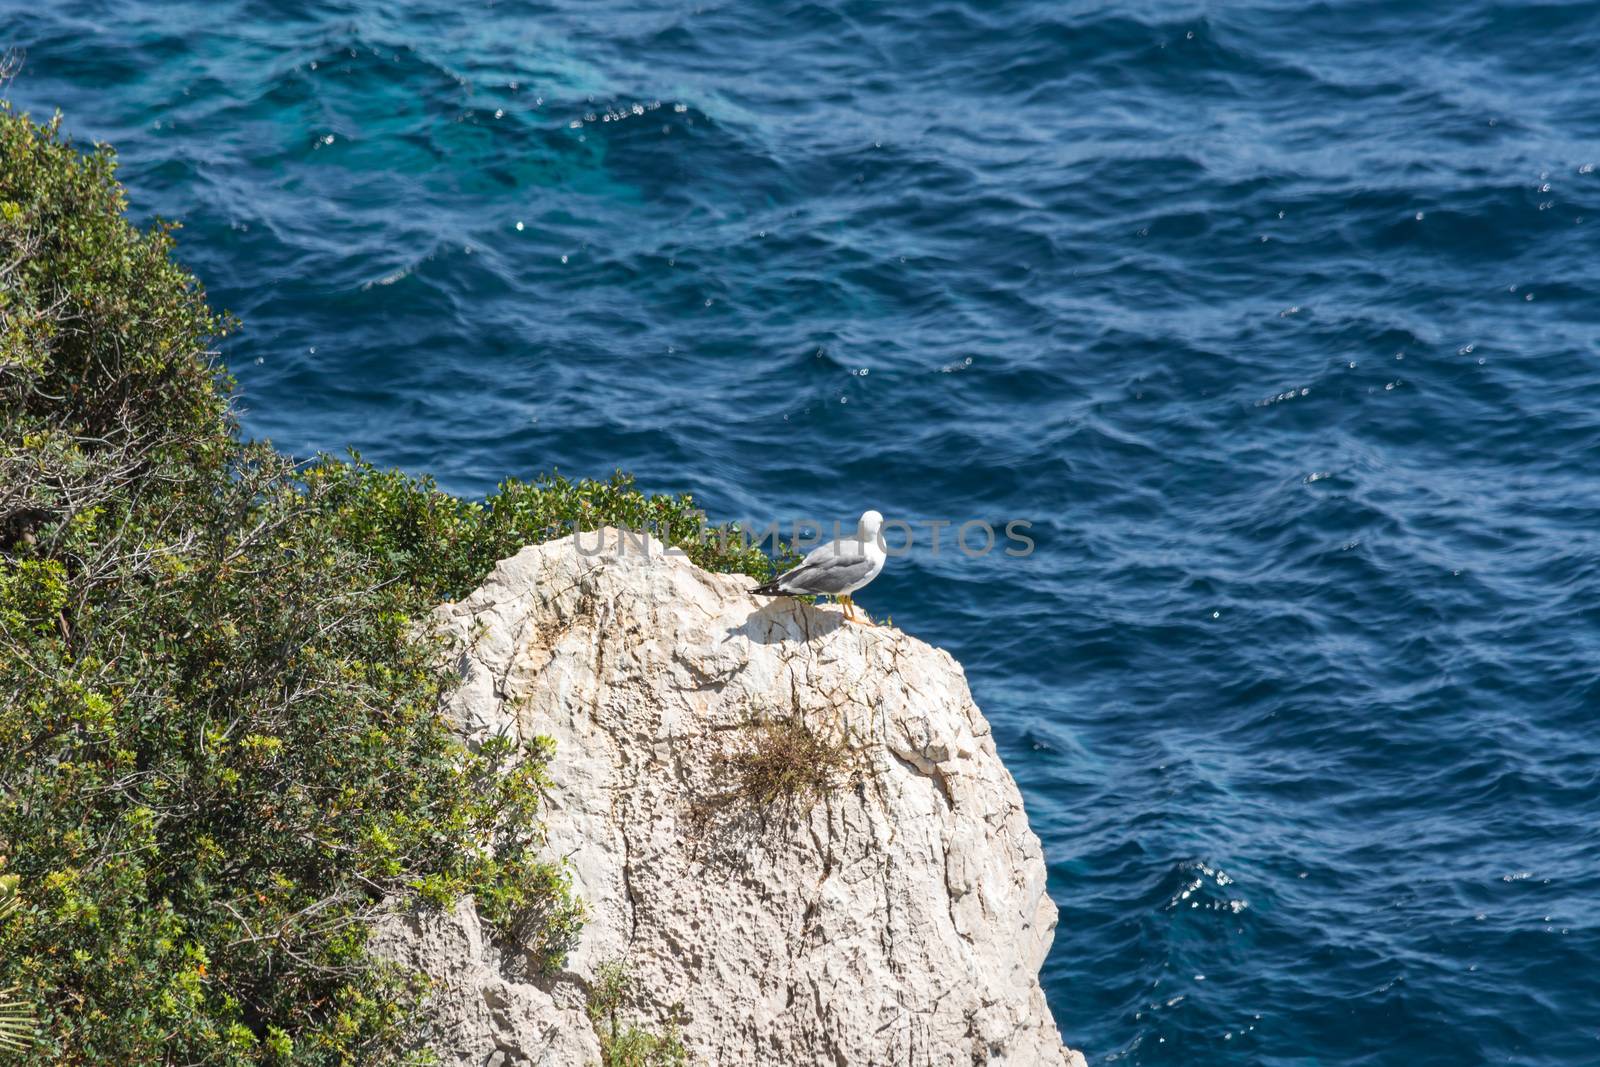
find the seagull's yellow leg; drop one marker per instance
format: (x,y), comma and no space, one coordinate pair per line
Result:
(850,615)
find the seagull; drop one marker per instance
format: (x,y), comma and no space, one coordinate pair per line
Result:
(837,568)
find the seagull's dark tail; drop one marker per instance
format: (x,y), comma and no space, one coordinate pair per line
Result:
(771,589)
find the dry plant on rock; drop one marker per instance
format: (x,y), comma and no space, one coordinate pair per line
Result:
(788,764)
(774,772)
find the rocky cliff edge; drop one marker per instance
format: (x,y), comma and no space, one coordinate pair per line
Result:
(794,831)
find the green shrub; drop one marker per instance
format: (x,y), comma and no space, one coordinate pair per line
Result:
(16,1013)
(220,740)
(623,1043)
(443,546)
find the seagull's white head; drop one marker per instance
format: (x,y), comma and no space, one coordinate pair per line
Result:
(871,523)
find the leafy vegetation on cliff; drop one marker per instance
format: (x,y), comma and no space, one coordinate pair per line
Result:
(220,743)
(624,1043)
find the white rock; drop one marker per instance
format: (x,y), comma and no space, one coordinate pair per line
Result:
(480,1016)
(902,920)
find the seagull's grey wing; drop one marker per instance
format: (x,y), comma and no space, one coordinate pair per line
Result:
(825,573)
(845,546)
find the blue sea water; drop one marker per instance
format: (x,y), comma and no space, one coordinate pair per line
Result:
(1279,321)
